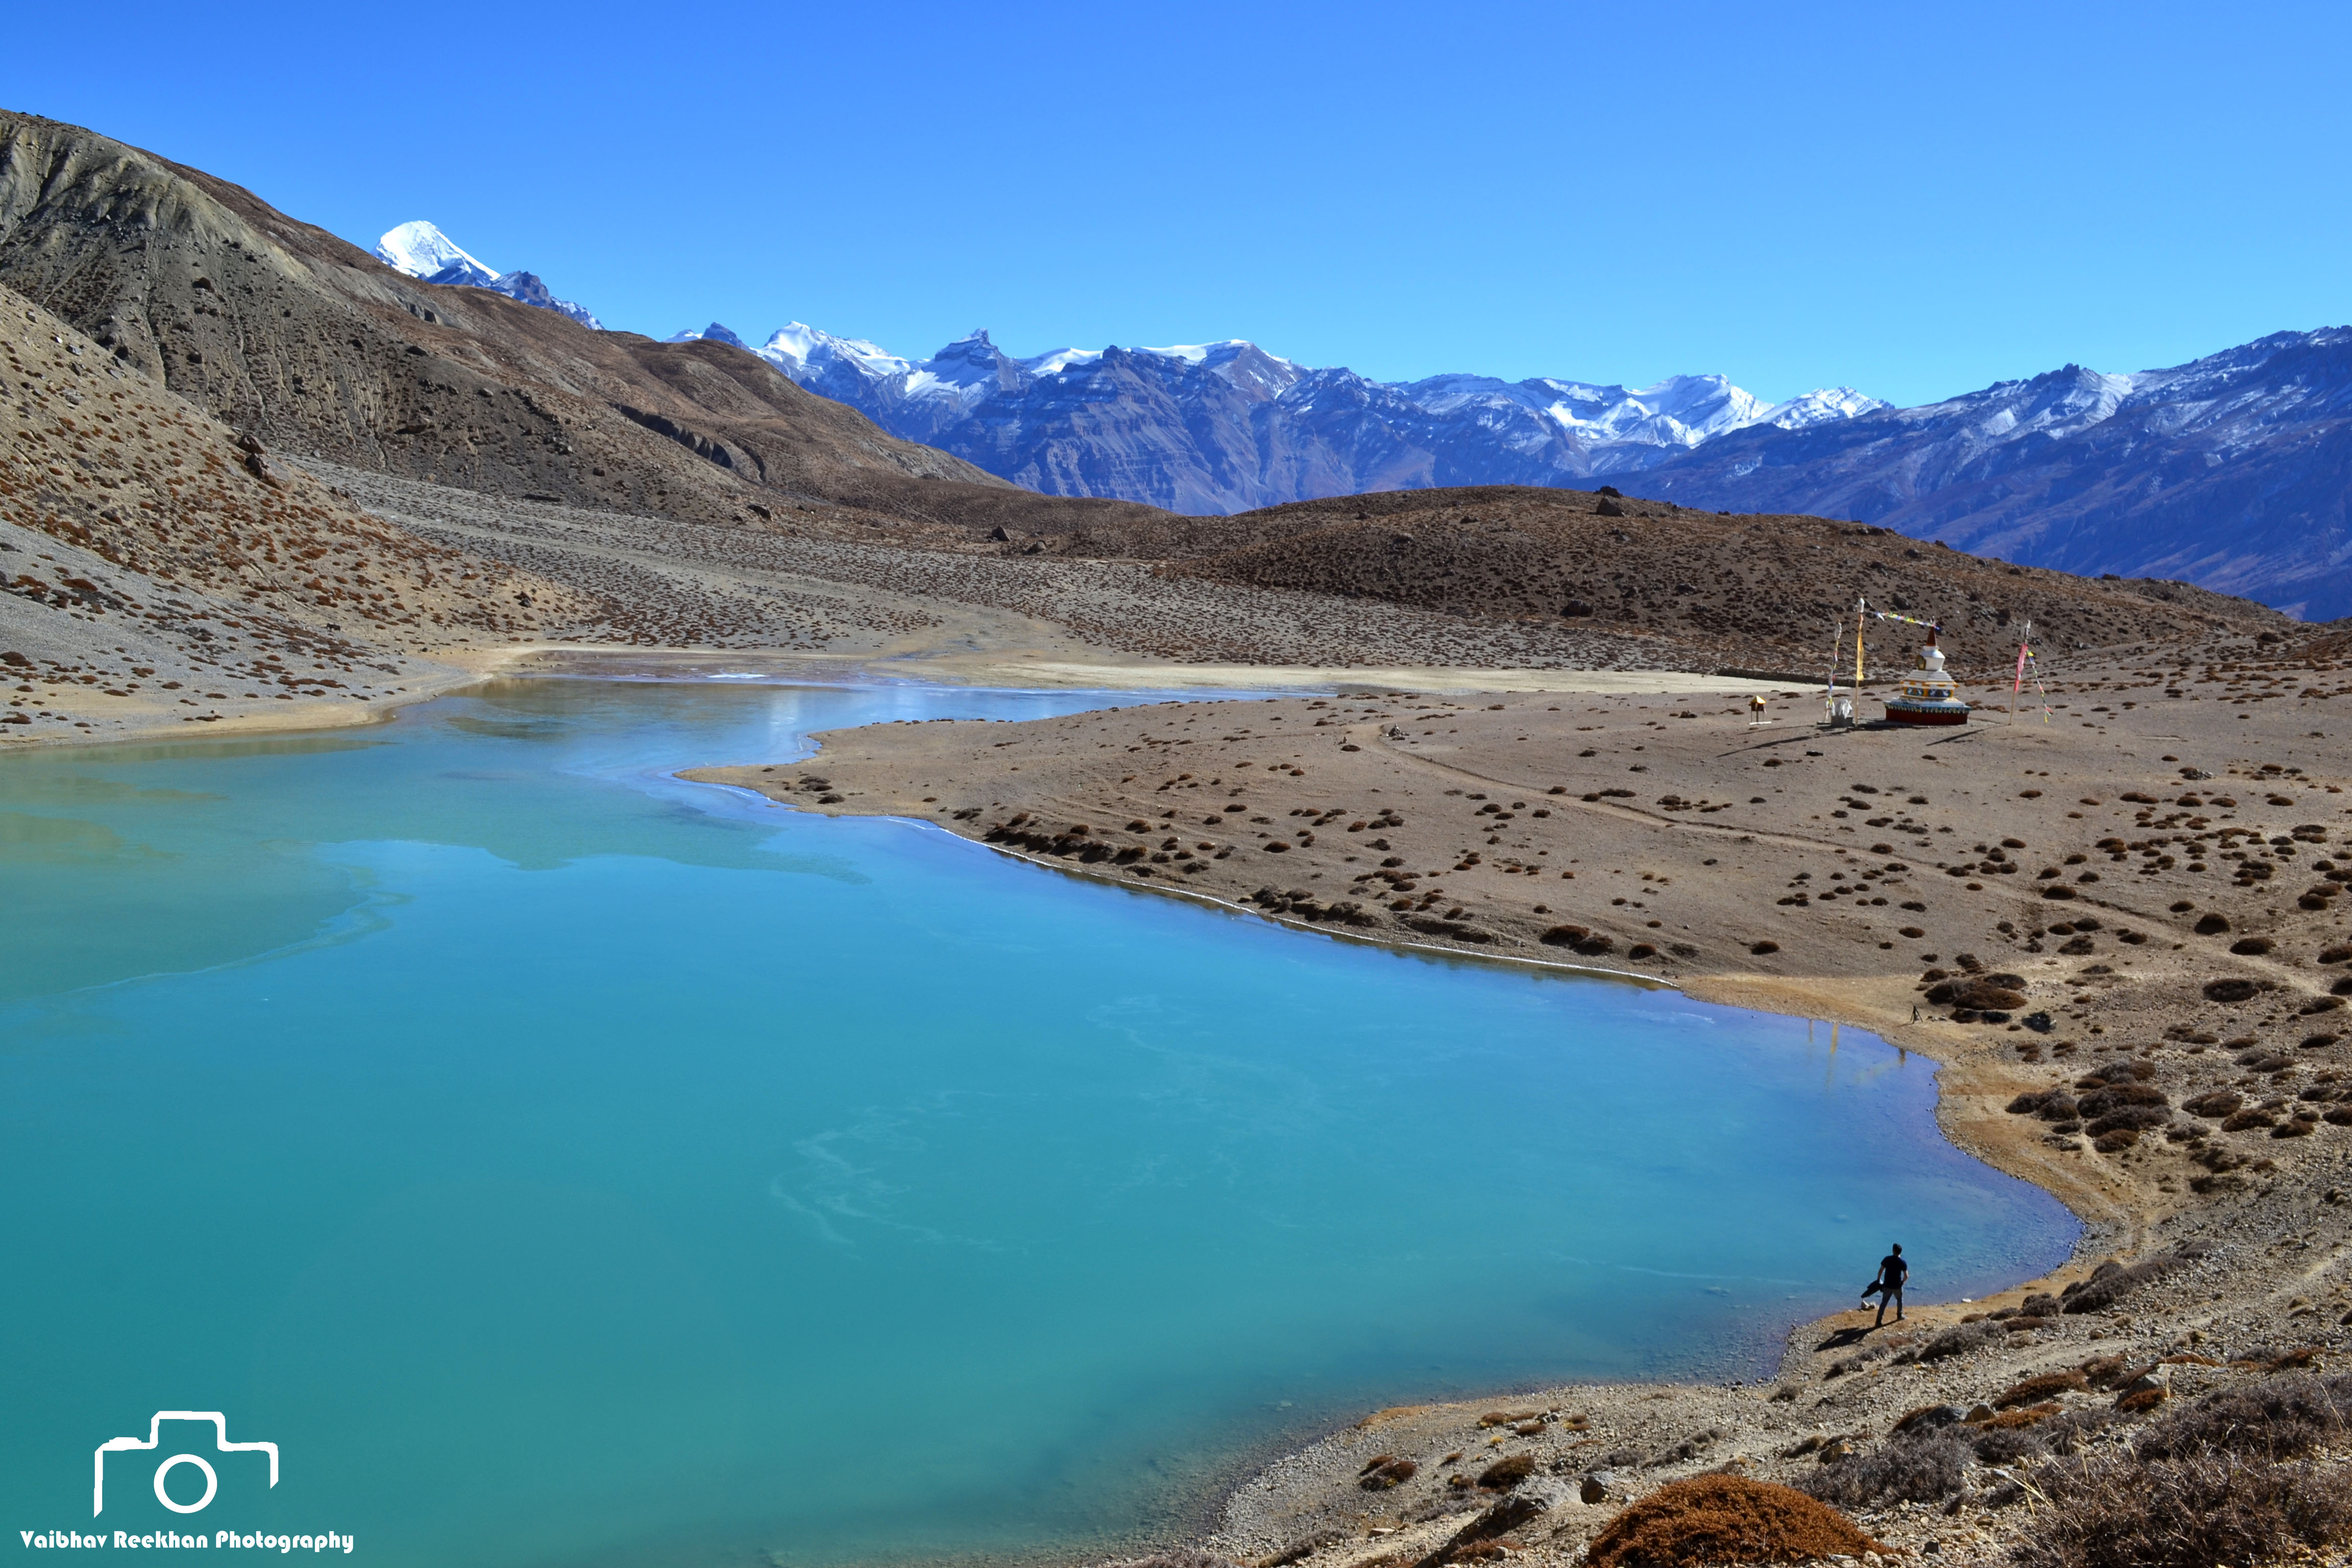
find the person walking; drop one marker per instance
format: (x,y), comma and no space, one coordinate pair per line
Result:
(1888,1286)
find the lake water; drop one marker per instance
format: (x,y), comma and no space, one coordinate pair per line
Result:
(563,1163)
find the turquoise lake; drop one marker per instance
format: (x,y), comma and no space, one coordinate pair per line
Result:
(566,1164)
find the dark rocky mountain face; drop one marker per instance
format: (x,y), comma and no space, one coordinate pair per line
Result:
(2231,473)
(278,328)
(1226,427)
(1236,430)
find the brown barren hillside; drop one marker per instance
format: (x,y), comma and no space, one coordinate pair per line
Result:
(146,549)
(280,328)
(1759,591)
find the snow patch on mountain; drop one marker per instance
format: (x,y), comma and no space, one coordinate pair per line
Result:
(1677,412)
(1222,425)
(714,333)
(1822,406)
(796,345)
(421,250)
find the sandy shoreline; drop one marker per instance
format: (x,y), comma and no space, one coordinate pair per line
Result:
(1728,838)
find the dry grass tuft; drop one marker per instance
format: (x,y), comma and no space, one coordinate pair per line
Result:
(2112,1281)
(2285,1418)
(1962,1339)
(1176,1557)
(2038,1388)
(2214,1509)
(1306,1546)
(1504,1474)
(1921,1468)
(1726,1519)
(2029,1415)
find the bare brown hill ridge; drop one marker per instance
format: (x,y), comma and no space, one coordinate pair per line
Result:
(280,328)
(1736,590)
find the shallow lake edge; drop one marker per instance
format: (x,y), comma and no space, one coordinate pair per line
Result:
(2096,1233)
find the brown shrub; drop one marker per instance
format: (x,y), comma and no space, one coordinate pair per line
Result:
(2111,1281)
(1306,1546)
(1176,1557)
(2103,1371)
(2285,1418)
(2006,1444)
(2027,1416)
(2183,1513)
(1726,1519)
(1962,1339)
(2040,1386)
(1923,1467)
(1926,1418)
(1385,1472)
(1504,1474)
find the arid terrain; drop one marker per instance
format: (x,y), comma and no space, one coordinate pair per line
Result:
(157,571)
(2115,921)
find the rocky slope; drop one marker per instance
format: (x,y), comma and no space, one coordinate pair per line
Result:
(156,567)
(2232,471)
(282,329)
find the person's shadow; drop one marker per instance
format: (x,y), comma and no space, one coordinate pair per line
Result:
(1841,1337)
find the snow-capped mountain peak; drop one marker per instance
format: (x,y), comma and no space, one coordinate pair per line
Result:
(1223,426)
(796,346)
(1060,360)
(714,332)
(422,251)
(1820,406)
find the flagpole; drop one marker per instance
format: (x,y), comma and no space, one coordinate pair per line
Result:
(2024,641)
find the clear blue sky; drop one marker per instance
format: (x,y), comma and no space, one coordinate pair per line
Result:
(1912,200)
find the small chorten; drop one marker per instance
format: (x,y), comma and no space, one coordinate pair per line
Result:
(1926,697)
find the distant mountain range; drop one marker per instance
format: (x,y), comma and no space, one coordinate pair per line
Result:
(1226,427)
(2232,471)
(422,251)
